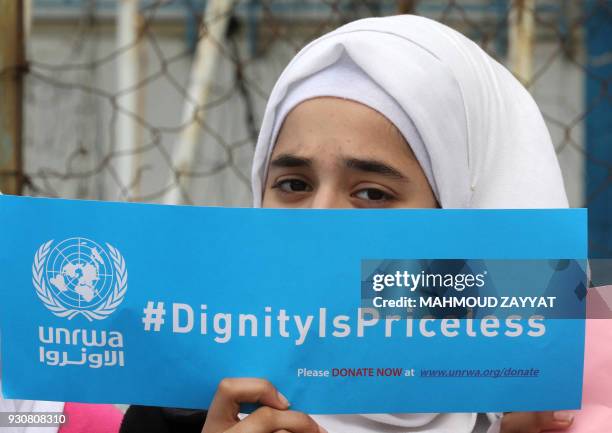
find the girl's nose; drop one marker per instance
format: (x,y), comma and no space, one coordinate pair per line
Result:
(329,198)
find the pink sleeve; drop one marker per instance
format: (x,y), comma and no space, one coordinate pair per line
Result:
(91,418)
(596,413)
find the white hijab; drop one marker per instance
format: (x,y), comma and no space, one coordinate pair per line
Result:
(474,129)
(484,136)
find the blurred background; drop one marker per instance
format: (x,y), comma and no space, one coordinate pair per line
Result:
(161,100)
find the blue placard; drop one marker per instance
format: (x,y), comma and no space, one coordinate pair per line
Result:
(154,305)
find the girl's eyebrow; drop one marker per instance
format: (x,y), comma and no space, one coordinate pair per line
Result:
(373,166)
(366,165)
(286,160)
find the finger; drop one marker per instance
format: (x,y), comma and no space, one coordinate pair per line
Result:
(231,392)
(535,422)
(267,420)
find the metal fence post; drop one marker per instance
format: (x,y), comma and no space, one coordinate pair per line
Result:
(11,96)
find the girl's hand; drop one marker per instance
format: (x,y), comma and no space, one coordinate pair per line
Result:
(272,417)
(535,422)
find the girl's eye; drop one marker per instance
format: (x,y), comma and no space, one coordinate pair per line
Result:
(292,185)
(373,194)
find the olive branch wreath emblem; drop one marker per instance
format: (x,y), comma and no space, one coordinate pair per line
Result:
(103,310)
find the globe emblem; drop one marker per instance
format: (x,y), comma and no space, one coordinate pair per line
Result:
(79,274)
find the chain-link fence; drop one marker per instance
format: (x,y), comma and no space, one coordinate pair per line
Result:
(160,101)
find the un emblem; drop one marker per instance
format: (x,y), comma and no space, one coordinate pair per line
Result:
(78,276)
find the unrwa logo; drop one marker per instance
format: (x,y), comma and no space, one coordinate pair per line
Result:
(78,276)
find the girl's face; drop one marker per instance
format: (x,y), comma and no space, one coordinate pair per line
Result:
(336,153)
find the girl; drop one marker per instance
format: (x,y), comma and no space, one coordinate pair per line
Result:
(396,112)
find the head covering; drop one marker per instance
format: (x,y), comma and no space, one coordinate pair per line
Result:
(484,142)
(344,79)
